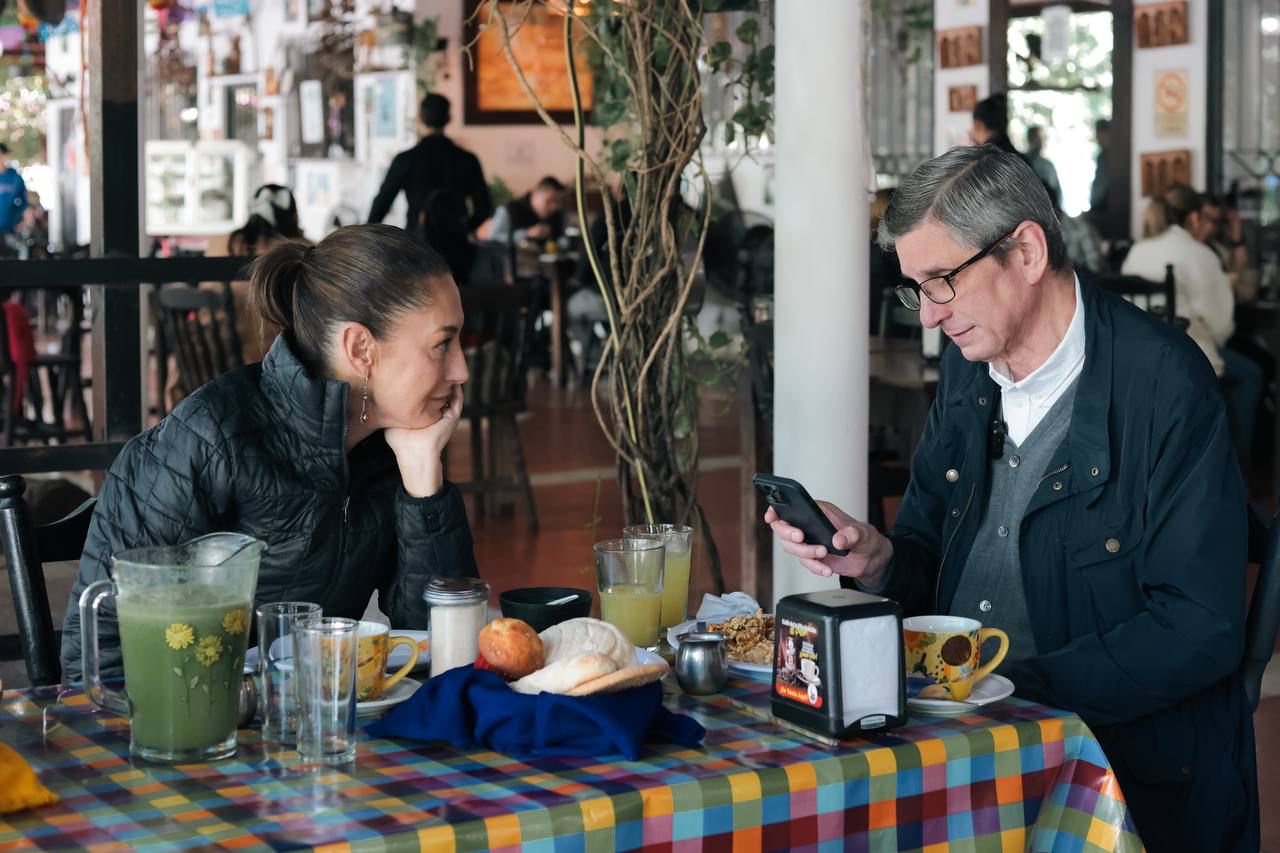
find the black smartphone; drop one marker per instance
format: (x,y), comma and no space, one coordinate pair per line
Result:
(793,505)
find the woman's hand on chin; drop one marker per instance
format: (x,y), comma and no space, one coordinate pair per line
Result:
(418,450)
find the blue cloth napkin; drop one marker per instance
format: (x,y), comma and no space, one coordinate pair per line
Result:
(475,708)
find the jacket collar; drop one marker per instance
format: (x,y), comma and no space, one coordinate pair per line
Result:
(1089,436)
(1086,449)
(314,408)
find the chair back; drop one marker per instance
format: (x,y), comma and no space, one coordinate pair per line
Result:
(1264,615)
(199,328)
(26,549)
(498,333)
(1158,297)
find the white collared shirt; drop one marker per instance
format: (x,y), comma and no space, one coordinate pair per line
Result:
(1025,403)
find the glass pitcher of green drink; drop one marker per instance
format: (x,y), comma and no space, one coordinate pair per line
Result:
(184,614)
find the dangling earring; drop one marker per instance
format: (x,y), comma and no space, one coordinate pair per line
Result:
(364,402)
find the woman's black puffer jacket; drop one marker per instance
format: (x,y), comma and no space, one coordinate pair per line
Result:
(261,451)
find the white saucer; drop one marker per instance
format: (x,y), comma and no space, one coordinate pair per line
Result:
(754,671)
(396,659)
(400,654)
(990,689)
(398,692)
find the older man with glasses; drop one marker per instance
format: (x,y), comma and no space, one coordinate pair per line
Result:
(1076,487)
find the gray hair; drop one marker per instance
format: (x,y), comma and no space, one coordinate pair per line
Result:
(978,193)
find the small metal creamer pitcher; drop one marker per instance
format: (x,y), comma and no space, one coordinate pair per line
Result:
(702,664)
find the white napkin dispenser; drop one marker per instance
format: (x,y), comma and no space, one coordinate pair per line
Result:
(838,662)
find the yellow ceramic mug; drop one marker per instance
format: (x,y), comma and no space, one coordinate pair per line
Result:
(942,655)
(374,644)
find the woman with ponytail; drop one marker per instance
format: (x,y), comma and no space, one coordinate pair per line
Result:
(329,449)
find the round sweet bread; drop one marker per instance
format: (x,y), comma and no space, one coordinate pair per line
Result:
(586,636)
(511,647)
(635,675)
(566,674)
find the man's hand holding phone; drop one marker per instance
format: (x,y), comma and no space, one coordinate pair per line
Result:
(869,550)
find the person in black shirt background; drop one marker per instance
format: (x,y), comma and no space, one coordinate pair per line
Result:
(991,123)
(435,163)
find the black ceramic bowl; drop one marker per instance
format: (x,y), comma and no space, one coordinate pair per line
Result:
(530,605)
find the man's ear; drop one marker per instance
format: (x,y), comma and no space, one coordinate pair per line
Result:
(1033,251)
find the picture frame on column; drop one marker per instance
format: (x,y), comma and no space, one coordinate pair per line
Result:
(1161,24)
(961,99)
(1160,170)
(960,47)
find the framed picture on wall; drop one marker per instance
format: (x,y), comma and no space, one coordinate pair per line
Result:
(960,47)
(1163,169)
(492,92)
(1161,24)
(961,99)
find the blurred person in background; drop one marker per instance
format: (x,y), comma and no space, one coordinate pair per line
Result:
(1204,296)
(435,163)
(1042,166)
(1101,185)
(1084,246)
(991,123)
(13,202)
(273,219)
(444,227)
(536,215)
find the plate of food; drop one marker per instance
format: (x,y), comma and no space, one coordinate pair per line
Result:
(748,642)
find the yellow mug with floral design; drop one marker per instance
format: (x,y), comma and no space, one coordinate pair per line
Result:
(374,645)
(943,655)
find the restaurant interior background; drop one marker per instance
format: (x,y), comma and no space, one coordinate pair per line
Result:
(319,95)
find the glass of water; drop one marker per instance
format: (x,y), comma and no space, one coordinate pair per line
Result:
(276,623)
(324,652)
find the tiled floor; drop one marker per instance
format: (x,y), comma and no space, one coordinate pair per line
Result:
(569,461)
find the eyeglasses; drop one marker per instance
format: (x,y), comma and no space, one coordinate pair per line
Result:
(940,289)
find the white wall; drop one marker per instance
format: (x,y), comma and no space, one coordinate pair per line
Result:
(1147,63)
(519,154)
(952,129)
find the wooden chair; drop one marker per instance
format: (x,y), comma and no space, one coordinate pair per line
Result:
(1159,297)
(498,332)
(62,372)
(199,328)
(26,549)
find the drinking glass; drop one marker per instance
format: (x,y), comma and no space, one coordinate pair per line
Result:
(629,573)
(276,623)
(324,653)
(678,540)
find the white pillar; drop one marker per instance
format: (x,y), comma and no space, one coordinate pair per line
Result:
(822,239)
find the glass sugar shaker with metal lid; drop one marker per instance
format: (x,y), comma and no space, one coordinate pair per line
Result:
(459,609)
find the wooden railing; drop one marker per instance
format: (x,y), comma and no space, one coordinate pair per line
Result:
(113,379)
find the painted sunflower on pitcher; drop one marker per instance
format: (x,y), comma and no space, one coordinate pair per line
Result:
(179,635)
(209,649)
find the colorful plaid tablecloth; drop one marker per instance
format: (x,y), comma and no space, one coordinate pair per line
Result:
(1014,776)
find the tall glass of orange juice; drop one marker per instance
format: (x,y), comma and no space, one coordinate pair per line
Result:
(629,572)
(677,539)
